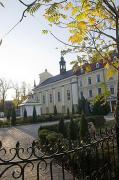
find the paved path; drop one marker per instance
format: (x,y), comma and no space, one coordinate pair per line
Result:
(25,134)
(22,133)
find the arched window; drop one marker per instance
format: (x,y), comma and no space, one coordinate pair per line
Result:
(97,65)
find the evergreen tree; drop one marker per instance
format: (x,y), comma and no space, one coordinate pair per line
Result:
(83,128)
(68,112)
(55,110)
(8,114)
(61,126)
(72,130)
(13,117)
(73,110)
(100,106)
(79,109)
(34,118)
(25,114)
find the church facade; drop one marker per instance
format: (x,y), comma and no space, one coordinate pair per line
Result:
(64,89)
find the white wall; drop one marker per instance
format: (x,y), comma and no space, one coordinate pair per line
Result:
(29,109)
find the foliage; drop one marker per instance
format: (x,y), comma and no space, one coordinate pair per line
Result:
(34,118)
(83,128)
(48,137)
(25,113)
(13,117)
(73,110)
(68,112)
(42,135)
(73,130)
(55,110)
(83,106)
(8,114)
(100,106)
(98,120)
(53,137)
(61,126)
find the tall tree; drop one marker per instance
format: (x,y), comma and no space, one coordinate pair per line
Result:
(83,129)
(17,99)
(4,87)
(93,26)
(34,118)
(55,110)
(13,117)
(25,114)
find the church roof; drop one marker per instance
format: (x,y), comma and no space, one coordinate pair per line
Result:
(57,78)
(29,101)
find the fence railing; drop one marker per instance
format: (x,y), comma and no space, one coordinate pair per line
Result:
(97,160)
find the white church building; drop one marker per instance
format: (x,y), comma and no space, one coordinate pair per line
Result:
(64,89)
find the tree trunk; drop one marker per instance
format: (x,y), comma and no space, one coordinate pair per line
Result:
(117,104)
(117,116)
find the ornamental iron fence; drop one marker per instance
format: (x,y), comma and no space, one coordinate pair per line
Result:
(95,161)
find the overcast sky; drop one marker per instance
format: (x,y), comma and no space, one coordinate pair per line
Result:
(26,52)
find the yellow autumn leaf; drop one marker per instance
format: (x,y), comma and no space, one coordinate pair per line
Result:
(107,66)
(72,25)
(81,16)
(75,10)
(88,68)
(92,21)
(110,72)
(82,25)
(76,38)
(69,6)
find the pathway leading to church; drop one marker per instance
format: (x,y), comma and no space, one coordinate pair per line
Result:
(25,134)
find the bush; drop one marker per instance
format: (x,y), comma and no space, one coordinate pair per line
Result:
(34,115)
(53,137)
(61,127)
(25,114)
(42,135)
(13,117)
(83,128)
(53,127)
(98,121)
(73,130)
(55,110)
(100,106)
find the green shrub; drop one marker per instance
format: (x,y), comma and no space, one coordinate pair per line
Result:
(61,127)
(13,117)
(42,134)
(98,121)
(100,106)
(83,128)
(53,137)
(34,115)
(25,114)
(73,130)
(55,110)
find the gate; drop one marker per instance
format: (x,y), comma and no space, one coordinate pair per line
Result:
(95,161)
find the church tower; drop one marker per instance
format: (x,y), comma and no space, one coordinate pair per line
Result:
(62,65)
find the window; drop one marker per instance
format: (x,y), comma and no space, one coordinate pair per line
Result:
(99,91)
(81,83)
(59,98)
(97,65)
(112,89)
(81,93)
(68,94)
(81,70)
(89,80)
(90,93)
(111,78)
(50,98)
(43,99)
(98,77)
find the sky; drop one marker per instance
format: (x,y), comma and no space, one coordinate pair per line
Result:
(26,52)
